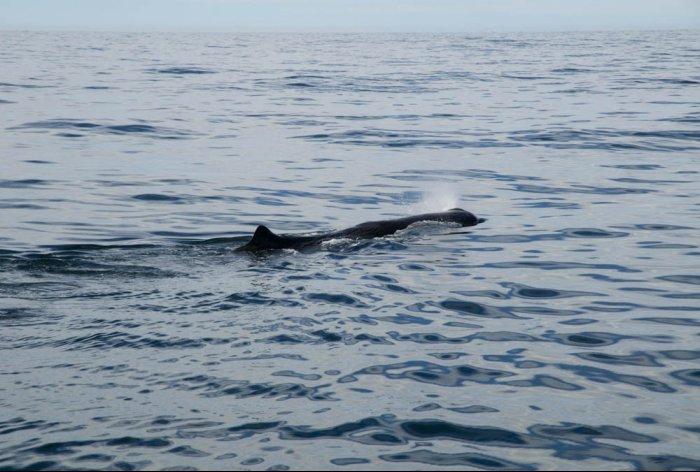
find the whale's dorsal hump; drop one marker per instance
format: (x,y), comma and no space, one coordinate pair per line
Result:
(262,231)
(263,238)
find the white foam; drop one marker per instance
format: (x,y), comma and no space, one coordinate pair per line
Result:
(335,242)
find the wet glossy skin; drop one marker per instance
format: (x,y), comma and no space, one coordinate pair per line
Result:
(264,239)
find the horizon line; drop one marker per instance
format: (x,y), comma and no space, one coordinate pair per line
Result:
(582,30)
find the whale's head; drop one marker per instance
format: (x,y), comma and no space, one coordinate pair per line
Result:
(463,217)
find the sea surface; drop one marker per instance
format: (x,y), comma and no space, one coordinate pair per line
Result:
(562,333)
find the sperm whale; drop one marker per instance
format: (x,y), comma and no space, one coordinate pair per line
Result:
(264,239)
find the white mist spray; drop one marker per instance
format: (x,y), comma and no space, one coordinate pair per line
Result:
(437,199)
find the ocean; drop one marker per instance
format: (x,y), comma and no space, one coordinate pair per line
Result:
(560,334)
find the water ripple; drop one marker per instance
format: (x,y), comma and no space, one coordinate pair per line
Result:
(80,128)
(134,337)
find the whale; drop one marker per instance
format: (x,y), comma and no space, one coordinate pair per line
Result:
(264,239)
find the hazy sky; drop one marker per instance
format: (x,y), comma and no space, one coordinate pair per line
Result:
(348,15)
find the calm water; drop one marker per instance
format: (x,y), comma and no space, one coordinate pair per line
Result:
(562,333)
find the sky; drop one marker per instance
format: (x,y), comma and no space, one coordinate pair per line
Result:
(348,15)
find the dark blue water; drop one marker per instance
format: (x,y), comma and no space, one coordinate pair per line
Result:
(560,334)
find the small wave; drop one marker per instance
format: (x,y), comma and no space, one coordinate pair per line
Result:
(571,70)
(182,71)
(592,233)
(527,292)
(557,265)
(21,206)
(126,129)
(58,249)
(405,139)
(72,262)
(23,316)
(635,166)
(688,376)
(689,118)
(23,183)
(663,81)
(215,387)
(577,90)
(664,140)
(608,139)
(123,340)
(596,374)
(682,279)
(526,77)
(379,85)
(300,84)
(468,174)
(335,299)
(655,227)
(470,460)
(22,424)
(156,197)
(583,189)
(305,76)
(30,86)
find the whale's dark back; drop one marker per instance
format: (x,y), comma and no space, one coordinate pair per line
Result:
(264,239)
